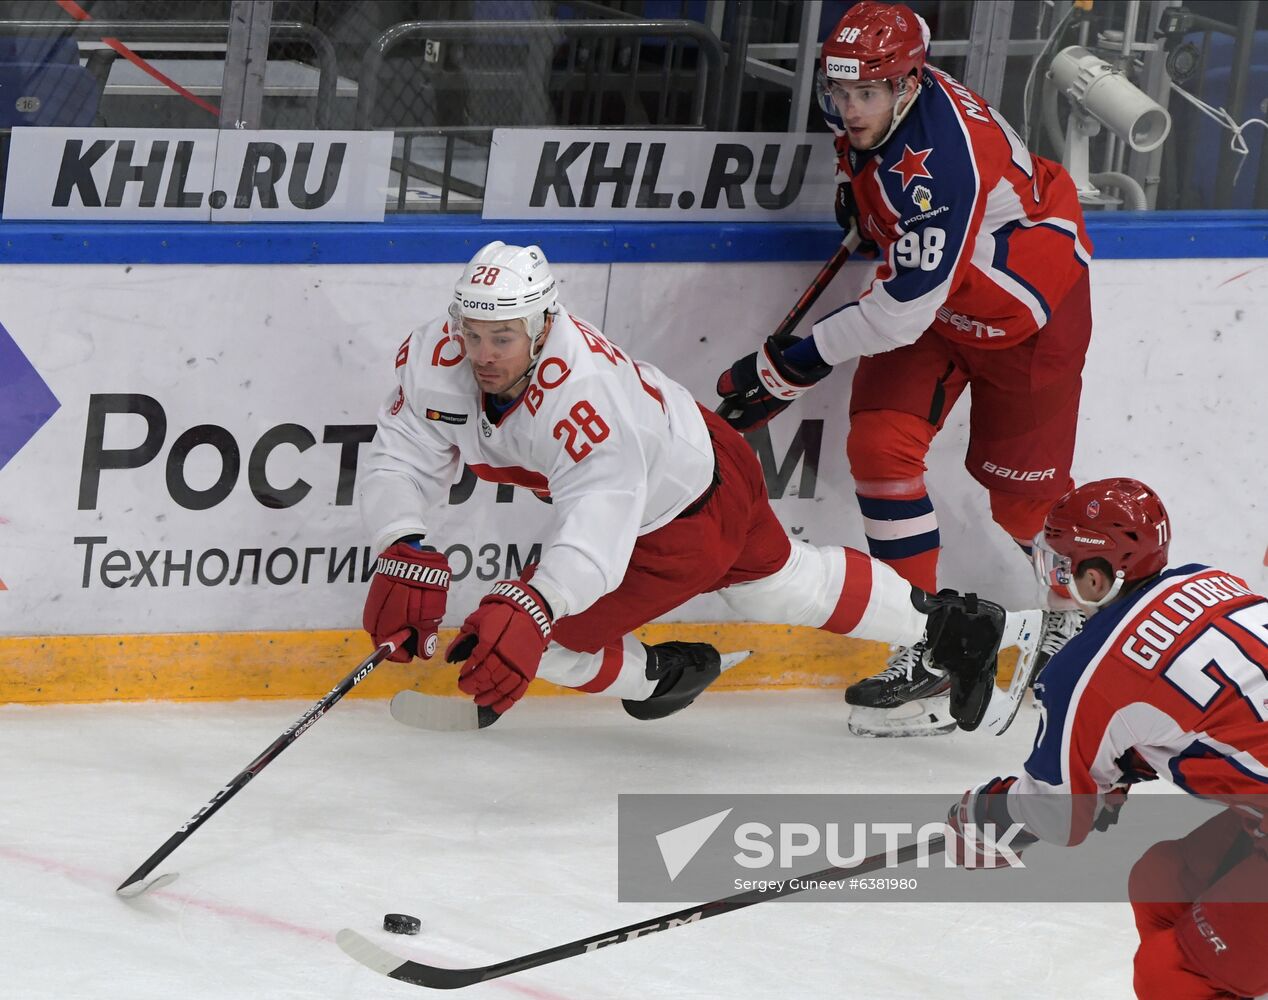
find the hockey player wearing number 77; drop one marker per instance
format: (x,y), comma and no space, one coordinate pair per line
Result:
(982,281)
(655,501)
(1169,678)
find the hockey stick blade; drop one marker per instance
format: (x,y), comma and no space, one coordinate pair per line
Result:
(358,948)
(379,960)
(438,713)
(134,889)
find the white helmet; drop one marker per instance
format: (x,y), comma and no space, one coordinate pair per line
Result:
(506,282)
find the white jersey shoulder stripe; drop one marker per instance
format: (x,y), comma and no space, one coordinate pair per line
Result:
(1242,759)
(1004,207)
(1067,226)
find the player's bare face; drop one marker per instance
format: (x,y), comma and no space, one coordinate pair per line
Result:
(499,353)
(866,107)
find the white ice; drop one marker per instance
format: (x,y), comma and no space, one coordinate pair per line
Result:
(501,841)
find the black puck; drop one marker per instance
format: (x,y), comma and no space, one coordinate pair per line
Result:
(401,923)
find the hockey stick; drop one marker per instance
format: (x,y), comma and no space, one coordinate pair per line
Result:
(380,960)
(440,713)
(783,332)
(133,885)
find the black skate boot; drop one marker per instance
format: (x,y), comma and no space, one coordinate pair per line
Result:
(906,678)
(957,658)
(963,637)
(682,670)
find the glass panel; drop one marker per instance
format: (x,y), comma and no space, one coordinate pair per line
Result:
(442,74)
(161,65)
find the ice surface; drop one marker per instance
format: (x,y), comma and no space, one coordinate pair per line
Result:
(501,841)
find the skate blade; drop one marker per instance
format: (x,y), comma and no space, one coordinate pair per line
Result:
(922,717)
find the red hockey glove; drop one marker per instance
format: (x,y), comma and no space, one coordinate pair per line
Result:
(408,591)
(983,835)
(760,386)
(501,644)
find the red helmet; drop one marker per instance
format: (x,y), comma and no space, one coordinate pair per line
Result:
(876,41)
(1119,520)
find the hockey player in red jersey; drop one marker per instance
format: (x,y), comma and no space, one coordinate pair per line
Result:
(655,501)
(982,280)
(1169,678)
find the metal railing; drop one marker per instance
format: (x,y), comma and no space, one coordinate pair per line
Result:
(190,31)
(706,99)
(444,178)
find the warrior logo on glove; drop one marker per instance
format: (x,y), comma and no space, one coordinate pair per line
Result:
(516,593)
(501,643)
(402,570)
(409,591)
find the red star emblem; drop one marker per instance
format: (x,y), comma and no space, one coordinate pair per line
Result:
(912,165)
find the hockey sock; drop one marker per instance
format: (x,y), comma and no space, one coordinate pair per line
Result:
(904,534)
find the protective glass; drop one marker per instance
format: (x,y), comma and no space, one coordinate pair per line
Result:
(1052,569)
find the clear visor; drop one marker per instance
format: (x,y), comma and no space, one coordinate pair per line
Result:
(822,95)
(500,337)
(467,324)
(866,97)
(1052,569)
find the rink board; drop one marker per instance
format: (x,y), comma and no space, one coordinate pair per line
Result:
(185,468)
(219,666)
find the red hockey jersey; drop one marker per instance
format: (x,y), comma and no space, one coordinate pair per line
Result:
(1179,674)
(980,239)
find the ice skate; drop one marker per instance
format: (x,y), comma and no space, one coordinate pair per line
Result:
(906,678)
(1059,627)
(682,670)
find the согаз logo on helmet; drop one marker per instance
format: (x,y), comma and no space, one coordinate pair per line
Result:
(842,69)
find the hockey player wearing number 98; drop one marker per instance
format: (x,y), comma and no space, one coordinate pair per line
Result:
(655,501)
(982,281)
(1169,678)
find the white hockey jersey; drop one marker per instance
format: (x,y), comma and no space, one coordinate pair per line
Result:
(621,449)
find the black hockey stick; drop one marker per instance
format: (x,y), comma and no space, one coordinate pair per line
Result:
(380,960)
(133,884)
(783,332)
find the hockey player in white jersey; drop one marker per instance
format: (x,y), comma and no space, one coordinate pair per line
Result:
(656,500)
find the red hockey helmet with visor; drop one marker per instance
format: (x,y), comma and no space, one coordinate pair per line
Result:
(875,41)
(1119,520)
